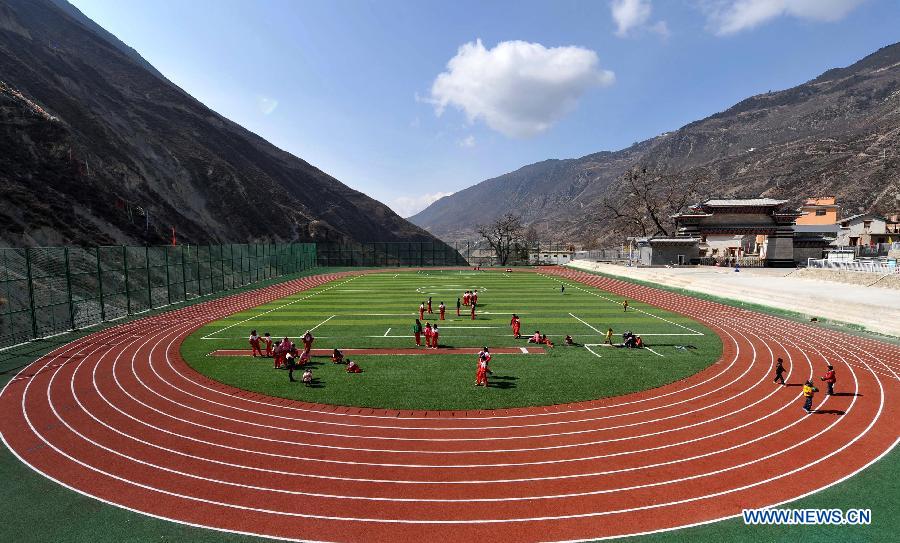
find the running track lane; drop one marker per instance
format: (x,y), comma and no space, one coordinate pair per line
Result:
(119,416)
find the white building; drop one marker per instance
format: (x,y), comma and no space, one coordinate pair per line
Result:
(862,229)
(551,257)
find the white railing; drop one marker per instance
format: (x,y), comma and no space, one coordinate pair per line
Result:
(869,266)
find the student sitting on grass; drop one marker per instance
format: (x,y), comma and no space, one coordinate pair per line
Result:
(536,338)
(569,340)
(337,357)
(353,367)
(546,341)
(307,377)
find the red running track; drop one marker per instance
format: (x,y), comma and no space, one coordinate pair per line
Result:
(397,352)
(119,416)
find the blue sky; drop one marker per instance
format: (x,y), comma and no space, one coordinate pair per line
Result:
(409,100)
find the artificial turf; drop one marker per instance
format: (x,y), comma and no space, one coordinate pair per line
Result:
(378,310)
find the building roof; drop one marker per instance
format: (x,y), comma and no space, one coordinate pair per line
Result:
(670,241)
(748,202)
(859,215)
(816,228)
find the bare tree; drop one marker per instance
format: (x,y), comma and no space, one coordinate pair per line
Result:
(646,201)
(501,234)
(531,236)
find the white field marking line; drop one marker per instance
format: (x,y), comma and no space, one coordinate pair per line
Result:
(588,347)
(283,491)
(524,350)
(285,305)
(408,521)
(753,347)
(530,415)
(633,309)
(652,351)
(321,323)
(585,323)
(387,332)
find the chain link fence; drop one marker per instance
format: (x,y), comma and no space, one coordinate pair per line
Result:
(50,290)
(390,254)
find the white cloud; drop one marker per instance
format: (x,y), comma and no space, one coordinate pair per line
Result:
(629,14)
(407,206)
(732,16)
(266,105)
(518,88)
(468,141)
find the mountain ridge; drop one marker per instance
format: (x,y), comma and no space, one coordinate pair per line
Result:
(128,154)
(812,139)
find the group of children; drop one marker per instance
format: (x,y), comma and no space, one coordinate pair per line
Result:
(442,309)
(286,355)
(432,334)
(809,390)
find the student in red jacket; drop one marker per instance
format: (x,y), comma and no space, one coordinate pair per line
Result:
(429,306)
(267,339)
(516,326)
(473,311)
(422,311)
(443,309)
(254,343)
(435,335)
(429,333)
(829,379)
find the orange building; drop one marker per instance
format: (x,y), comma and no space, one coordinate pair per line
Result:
(819,211)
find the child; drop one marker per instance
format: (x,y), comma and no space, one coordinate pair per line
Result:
(279,355)
(307,377)
(625,305)
(303,358)
(289,362)
(569,340)
(474,297)
(536,337)
(308,341)
(417,331)
(808,392)
(481,374)
(779,372)
(473,310)
(337,357)
(830,379)
(466,298)
(353,367)
(458,304)
(435,334)
(546,341)
(422,311)
(638,342)
(562,288)
(609,334)
(429,333)
(430,312)
(254,343)
(268,341)
(514,323)
(442,308)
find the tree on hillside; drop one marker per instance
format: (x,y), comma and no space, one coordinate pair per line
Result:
(645,201)
(501,235)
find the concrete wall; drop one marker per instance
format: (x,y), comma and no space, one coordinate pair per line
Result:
(851,277)
(663,254)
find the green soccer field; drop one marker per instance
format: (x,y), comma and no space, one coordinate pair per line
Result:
(378,311)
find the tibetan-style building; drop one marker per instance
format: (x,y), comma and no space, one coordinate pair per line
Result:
(732,230)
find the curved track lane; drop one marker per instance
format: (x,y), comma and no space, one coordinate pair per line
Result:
(119,416)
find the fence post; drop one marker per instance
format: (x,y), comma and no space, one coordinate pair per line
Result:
(34,329)
(149,285)
(69,289)
(184,272)
(168,282)
(127,287)
(100,287)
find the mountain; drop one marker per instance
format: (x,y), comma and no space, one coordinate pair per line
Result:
(97,147)
(838,134)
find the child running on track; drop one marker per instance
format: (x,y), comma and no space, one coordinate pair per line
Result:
(254,343)
(267,339)
(435,335)
(808,392)
(779,372)
(458,304)
(417,331)
(442,308)
(830,380)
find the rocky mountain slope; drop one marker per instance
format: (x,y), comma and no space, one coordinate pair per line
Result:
(838,134)
(97,147)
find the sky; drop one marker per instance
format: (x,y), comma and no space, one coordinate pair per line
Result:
(409,101)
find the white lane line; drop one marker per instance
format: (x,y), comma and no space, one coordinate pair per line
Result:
(321,323)
(283,305)
(387,332)
(524,350)
(652,351)
(588,347)
(582,321)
